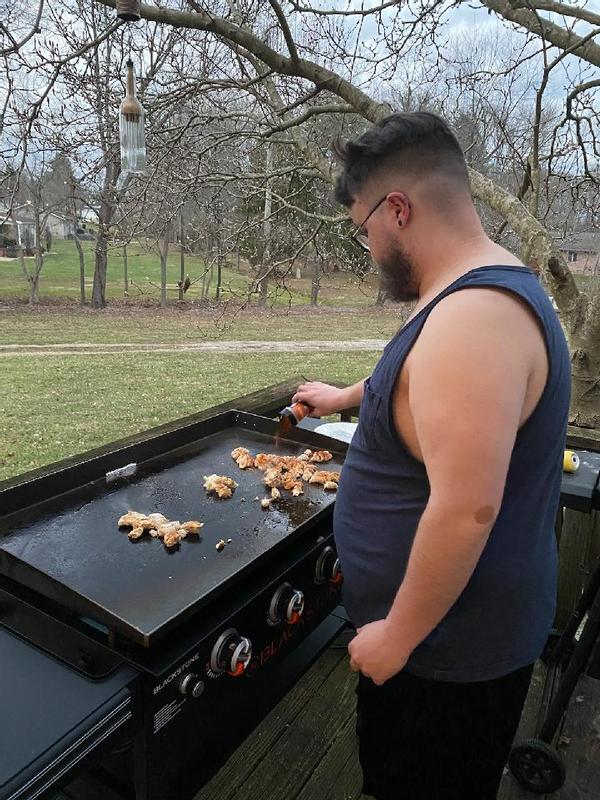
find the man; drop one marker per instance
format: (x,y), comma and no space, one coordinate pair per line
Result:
(444,519)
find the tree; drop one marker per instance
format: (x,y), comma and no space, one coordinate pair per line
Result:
(523,95)
(307,78)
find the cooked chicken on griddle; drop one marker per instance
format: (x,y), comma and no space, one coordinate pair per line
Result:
(220,485)
(243,458)
(289,472)
(323,476)
(320,455)
(158,526)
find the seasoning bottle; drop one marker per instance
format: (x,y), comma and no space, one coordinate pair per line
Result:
(292,415)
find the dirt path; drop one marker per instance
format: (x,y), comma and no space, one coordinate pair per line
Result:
(81,348)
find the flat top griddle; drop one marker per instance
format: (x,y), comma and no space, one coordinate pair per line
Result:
(76,554)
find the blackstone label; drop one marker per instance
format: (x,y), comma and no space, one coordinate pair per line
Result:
(175,674)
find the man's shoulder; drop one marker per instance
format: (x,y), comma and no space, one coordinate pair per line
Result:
(480,306)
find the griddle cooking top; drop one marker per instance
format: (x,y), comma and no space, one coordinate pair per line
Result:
(80,558)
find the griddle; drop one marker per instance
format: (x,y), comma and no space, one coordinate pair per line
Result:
(70,550)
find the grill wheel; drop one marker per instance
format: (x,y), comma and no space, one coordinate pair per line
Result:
(536,766)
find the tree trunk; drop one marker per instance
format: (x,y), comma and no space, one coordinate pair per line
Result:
(81,271)
(39,258)
(181,258)
(263,284)
(104,222)
(316,283)
(381,296)
(125,272)
(219,275)
(163,267)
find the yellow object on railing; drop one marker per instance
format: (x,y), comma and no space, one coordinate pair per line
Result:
(570,461)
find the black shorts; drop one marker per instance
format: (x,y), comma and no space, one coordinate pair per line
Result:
(421,739)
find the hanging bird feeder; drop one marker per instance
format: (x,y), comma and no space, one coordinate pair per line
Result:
(131,129)
(128,10)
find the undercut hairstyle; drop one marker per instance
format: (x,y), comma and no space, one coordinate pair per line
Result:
(416,144)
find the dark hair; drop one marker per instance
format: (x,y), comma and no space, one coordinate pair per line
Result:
(416,143)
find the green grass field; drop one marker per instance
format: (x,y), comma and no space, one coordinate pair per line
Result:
(60,278)
(54,407)
(40,325)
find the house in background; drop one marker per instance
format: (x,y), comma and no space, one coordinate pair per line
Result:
(582,252)
(17,229)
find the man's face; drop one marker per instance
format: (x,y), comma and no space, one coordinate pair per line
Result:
(397,269)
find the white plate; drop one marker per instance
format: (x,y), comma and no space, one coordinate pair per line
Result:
(344,431)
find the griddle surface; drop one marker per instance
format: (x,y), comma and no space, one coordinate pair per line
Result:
(137,588)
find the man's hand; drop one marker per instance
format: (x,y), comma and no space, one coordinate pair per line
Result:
(323,398)
(377,652)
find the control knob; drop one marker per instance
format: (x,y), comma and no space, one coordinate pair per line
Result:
(191,685)
(287,605)
(328,567)
(231,653)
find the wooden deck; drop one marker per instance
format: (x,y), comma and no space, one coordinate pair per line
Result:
(305,749)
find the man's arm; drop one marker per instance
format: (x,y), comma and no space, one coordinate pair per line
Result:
(326,399)
(468,379)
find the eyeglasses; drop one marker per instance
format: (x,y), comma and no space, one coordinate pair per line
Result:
(360,238)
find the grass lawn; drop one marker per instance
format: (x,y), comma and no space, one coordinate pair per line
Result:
(60,278)
(54,407)
(38,325)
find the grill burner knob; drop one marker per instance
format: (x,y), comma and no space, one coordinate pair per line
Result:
(328,567)
(191,684)
(287,604)
(231,653)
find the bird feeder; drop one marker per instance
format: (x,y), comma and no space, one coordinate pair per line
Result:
(131,129)
(128,10)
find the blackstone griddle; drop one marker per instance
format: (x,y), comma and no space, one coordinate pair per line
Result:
(190,645)
(71,551)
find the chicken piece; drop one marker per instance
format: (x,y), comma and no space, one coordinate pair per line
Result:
(220,545)
(323,476)
(303,457)
(288,481)
(272,478)
(262,461)
(275,493)
(172,538)
(131,519)
(308,471)
(320,456)
(296,469)
(265,503)
(157,519)
(297,489)
(330,486)
(239,451)
(243,458)
(192,526)
(220,485)
(246,462)
(168,527)
(135,533)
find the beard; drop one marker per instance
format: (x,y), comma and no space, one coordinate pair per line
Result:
(398,278)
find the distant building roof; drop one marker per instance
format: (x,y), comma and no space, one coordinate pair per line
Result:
(586,242)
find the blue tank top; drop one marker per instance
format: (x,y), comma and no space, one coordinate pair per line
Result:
(503,617)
